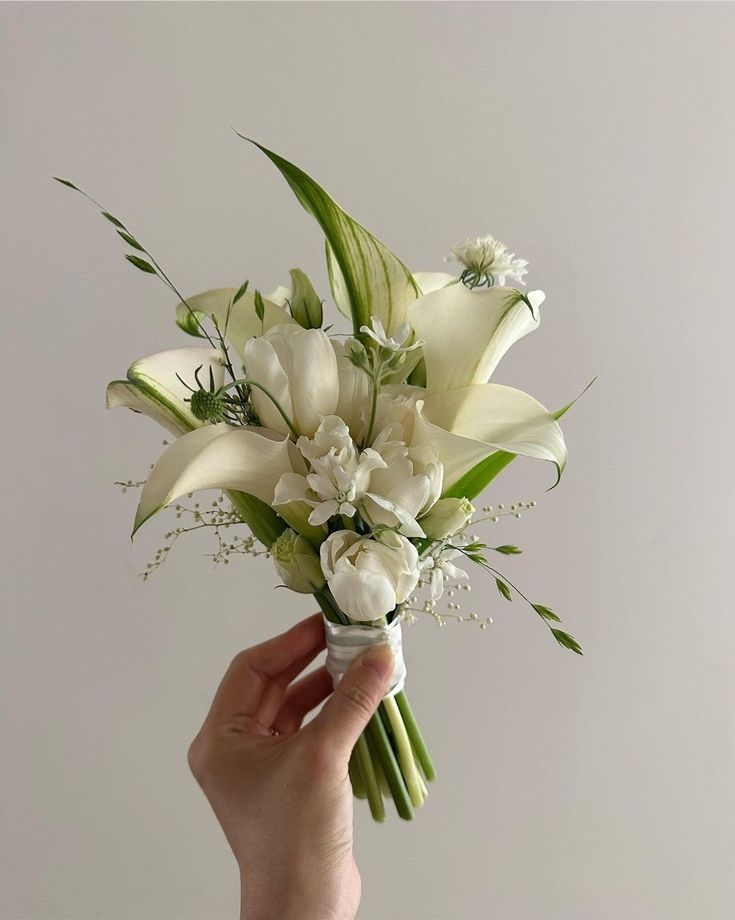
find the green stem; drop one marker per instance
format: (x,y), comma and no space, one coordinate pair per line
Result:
(405,752)
(414,733)
(372,787)
(358,786)
(393,775)
(253,383)
(373,407)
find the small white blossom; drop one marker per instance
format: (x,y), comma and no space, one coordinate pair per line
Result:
(340,487)
(438,566)
(396,342)
(486,257)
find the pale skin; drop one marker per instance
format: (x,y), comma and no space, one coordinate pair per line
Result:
(284,800)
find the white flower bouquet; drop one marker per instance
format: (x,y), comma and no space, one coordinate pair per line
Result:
(352,458)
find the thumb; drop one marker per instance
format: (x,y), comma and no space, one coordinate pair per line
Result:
(355,699)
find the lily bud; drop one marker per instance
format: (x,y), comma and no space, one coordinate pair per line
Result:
(297,563)
(446,517)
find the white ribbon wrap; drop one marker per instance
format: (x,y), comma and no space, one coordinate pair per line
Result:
(346,643)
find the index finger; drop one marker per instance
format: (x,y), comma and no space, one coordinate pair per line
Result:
(253,669)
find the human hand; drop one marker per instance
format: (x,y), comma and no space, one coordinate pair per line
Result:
(282,792)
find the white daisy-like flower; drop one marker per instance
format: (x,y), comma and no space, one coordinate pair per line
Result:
(438,566)
(487,259)
(396,342)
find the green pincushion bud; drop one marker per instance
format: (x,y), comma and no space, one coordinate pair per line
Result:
(446,517)
(207,406)
(297,562)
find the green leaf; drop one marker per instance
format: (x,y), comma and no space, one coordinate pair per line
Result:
(67,183)
(367,279)
(262,520)
(504,589)
(259,306)
(131,241)
(141,264)
(240,291)
(507,549)
(567,641)
(306,307)
(546,612)
(112,219)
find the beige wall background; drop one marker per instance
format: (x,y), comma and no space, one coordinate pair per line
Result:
(597,140)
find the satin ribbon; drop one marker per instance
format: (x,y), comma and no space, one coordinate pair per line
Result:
(346,643)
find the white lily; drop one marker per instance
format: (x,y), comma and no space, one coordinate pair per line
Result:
(250,460)
(154,385)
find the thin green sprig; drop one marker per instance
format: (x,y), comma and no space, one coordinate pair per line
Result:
(149,268)
(504,586)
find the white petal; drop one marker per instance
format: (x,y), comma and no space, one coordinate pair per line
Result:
(251,460)
(262,365)
(466,333)
(468,424)
(434,281)
(243,323)
(154,389)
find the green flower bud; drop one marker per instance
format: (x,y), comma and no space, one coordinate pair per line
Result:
(446,517)
(297,563)
(207,406)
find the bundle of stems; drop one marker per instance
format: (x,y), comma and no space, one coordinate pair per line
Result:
(391,759)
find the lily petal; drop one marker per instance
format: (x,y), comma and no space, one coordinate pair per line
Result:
(251,460)
(466,332)
(434,281)
(154,389)
(243,323)
(466,425)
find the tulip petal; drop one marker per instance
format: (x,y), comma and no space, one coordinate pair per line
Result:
(466,332)
(467,425)
(154,389)
(243,323)
(251,460)
(367,279)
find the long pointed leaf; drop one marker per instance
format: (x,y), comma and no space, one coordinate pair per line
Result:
(364,273)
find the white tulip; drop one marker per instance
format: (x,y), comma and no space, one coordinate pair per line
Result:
(299,368)
(369,577)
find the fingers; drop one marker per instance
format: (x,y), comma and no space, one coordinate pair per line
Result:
(302,697)
(353,703)
(247,687)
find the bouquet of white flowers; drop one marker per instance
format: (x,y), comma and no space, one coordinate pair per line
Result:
(353,458)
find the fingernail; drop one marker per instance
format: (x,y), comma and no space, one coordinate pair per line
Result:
(379,658)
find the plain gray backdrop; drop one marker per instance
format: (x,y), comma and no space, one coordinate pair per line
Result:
(595,139)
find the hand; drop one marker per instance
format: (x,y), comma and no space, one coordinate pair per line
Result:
(281,792)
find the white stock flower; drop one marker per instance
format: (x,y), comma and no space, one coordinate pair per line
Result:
(395,342)
(407,486)
(486,257)
(339,477)
(369,577)
(438,566)
(299,367)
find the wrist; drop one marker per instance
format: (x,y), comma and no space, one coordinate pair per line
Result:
(295,896)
